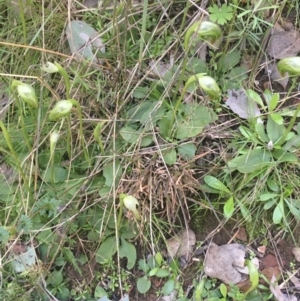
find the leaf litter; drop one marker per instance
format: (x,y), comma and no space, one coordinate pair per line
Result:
(226,263)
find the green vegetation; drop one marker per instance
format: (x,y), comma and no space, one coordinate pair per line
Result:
(106,112)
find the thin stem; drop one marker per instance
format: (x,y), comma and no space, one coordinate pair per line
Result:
(66,78)
(292,121)
(121,197)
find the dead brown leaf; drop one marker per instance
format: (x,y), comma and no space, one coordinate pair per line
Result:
(182,244)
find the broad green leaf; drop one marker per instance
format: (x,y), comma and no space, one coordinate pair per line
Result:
(274,130)
(278,212)
(196,66)
(112,171)
(147,140)
(223,290)
(130,134)
(55,174)
(99,292)
(229,207)
(143,266)
(260,131)
(246,132)
(272,184)
(215,183)
(170,156)
(245,213)
(159,258)
(295,211)
(165,127)
(195,119)
(277,118)
(267,196)
(253,160)
(140,92)
(162,273)
(83,40)
(229,61)
(269,204)
(292,144)
(273,102)
(255,96)
(168,287)
(187,151)
(284,156)
(253,275)
(107,249)
(143,285)
(55,278)
(128,250)
(153,271)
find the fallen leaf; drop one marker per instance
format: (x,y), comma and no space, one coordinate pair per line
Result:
(296,252)
(242,234)
(273,72)
(294,279)
(269,261)
(182,244)
(284,44)
(240,104)
(269,273)
(223,262)
(262,249)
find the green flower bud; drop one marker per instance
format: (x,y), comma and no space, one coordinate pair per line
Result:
(210,86)
(54,136)
(26,93)
(61,109)
(130,203)
(208,31)
(290,65)
(50,67)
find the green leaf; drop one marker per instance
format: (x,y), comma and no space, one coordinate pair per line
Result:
(274,130)
(187,151)
(153,271)
(215,183)
(197,65)
(143,266)
(269,204)
(165,126)
(55,278)
(277,118)
(162,273)
(229,61)
(196,118)
(140,92)
(220,15)
(267,196)
(143,285)
(128,250)
(260,131)
(170,156)
(229,208)
(284,156)
(168,287)
(253,160)
(99,292)
(253,275)
(273,102)
(293,209)
(223,290)
(278,212)
(130,134)
(112,172)
(57,175)
(107,249)
(245,213)
(255,96)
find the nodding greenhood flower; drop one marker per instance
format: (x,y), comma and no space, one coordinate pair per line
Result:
(208,31)
(130,203)
(26,93)
(207,84)
(51,68)
(61,109)
(290,65)
(54,136)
